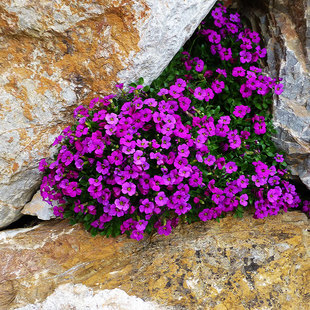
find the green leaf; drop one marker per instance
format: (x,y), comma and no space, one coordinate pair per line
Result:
(146,88)
(94,231)
(88,217)
(72,221)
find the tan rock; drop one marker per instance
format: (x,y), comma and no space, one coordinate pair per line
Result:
(57,54)
(234,264)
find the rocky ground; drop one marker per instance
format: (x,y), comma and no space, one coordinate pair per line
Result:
(234,264)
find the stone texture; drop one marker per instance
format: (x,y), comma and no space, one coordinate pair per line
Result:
(285,26)
(235,264)
(79,297)
(57,54)
(39,208)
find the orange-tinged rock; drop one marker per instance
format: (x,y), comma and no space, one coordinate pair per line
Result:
(235,264)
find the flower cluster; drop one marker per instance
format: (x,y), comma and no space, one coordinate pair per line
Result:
(191,147)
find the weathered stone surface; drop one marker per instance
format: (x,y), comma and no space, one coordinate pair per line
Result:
(38,207)
(54,55)
(285,26)
(234,264)
(79,297)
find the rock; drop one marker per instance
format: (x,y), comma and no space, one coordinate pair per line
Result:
(285,26)
(55,55)
(79,297)
(38,207)
(235,264)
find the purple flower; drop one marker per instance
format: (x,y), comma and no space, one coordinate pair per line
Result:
(111,119)
(141,225)
(43,165)
(147,206)
(95,182)
(165,229)
(288,198)
(122,203)
(195,180)
(214,37)
(67,158)
(273,195)
(138,158)
(262,52)
(218,86)
(180,162)
(199,93)
(183,150)
(231,167)
(161,199)
(129,188)
(245,91)
(241,111)
(165,142)
(224,120)
(206,214)
(199,66)
(57,140)
(244,200)
(259,128)
(274,181)
(184,103)
(78,207)
(182,208)
(258,181)
(209,94)
(238,71)
(120,86)
(136,234)
(242,181)
(95,191)
(103,167)
(116,158)
(245,56)
(235,142)
(210,160)
(174,91)
(181,84)
(225,53)
(58,211)
(162,92)
(222,71)
(91,209)
(72,189)
(279,158)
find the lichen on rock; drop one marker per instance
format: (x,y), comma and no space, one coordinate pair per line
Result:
(235,264)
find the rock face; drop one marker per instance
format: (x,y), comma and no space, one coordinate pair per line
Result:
(39,208)
(235,264)
(79,297)
(55,55)
(285,26)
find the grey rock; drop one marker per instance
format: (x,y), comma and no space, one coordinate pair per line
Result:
(285,27)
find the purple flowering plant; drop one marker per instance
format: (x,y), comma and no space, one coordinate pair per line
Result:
(194,145)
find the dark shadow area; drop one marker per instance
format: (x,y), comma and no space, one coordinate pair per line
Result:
(25,221)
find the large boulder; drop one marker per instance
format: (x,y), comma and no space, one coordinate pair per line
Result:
(235,264)
(285,26)
(55,55)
